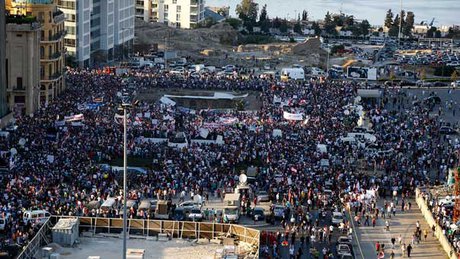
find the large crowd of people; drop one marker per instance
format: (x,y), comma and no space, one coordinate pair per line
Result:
(59,152)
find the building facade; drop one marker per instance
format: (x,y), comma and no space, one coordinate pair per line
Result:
(184,14)
(52,51)
(23,64)
(96,29)
(3,87)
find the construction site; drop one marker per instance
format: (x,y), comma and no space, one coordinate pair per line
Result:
(218,46)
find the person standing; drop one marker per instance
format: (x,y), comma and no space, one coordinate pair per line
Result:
(425,233)
(403,250)
(393,241)
(409,250)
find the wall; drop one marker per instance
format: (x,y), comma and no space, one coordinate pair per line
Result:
(430,220)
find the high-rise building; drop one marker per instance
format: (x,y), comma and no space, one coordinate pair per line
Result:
(23,63)
(175,13)
(3,101)
(52,51)
(98,30)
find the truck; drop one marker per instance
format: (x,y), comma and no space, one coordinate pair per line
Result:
(292,74)
(231,211)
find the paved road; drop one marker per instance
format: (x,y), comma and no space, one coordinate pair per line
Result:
(403,224)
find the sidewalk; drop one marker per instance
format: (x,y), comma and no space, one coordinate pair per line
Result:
(402,224)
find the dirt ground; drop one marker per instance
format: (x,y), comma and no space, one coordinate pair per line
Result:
(252,102)
(217,46)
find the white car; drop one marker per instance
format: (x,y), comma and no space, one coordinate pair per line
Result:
(337,218)
(343,249)
(455,84)
(195,215)
(448,201)
(190,204)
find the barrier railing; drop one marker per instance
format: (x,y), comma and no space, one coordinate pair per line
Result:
(40,239)
(176,229)
(450,251)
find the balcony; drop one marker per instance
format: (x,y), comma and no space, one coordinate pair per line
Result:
(54,77)
(55,38)
(53,57)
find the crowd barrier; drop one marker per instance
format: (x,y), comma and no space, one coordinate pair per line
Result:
(176,229)
(450,251)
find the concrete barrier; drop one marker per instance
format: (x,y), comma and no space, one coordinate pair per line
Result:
(450,251)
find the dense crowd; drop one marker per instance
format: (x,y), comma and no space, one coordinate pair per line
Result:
(57,166)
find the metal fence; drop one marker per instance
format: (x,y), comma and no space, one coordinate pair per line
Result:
(175,229)
(40,239)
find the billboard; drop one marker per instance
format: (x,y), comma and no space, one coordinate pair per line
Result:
(362,73)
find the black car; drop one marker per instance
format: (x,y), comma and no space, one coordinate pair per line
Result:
(440,84)
(258,214)
(447,130)
(180,214)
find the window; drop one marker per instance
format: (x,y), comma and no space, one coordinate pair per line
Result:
(178,17)
(174,1)
(19,83)
(166,7)
(178,9)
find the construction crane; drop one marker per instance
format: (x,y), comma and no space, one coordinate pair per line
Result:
(432,22)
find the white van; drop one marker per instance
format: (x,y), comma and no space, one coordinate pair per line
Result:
(36,216)
(108,204)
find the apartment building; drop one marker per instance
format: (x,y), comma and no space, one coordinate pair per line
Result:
(23,63)
(3,100)
(52,51)
(175,13)
(98,30)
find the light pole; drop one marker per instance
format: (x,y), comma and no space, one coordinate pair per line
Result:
(125,106)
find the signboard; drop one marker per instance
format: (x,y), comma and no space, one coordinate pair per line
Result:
(364,73)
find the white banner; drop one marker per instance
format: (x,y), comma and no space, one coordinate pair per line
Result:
(76,117)
(293,116)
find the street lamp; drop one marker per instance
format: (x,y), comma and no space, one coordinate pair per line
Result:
(126,105)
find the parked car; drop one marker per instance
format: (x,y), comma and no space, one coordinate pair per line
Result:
(180,214)
(263,196)
(343,249)
(337,218)
(278,211)
(447,130)
(190,204)
(258,214)
(195,214)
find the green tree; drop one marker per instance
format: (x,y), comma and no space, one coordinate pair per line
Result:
(454,76)
(276,23)
(247,12)
(431,31)
(329,25)
(316,28)
(389,19)
(304,15)
(349,21)
(437,34)
(264,21)
(364,27)
(297,28)
(283,26)
(235,23)
(263,14)
(409,24)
